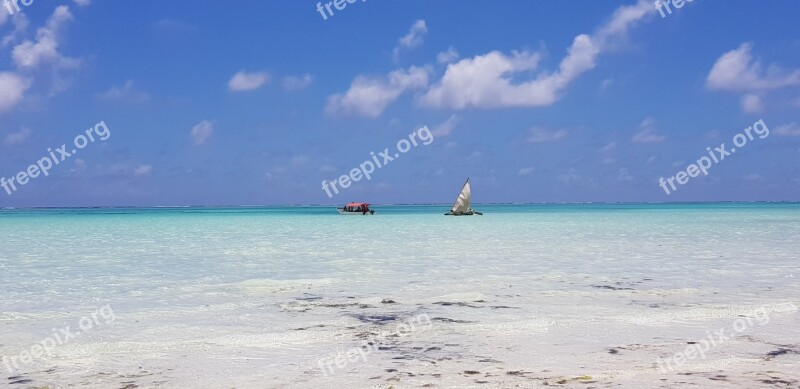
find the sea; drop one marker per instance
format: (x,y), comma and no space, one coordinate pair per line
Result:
(540,295)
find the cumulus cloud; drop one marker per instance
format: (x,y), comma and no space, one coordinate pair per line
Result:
(480,82)
(752,104)
(526,171)
(21,24)
(125,93)
(647,132)
(297,83)
(247,81)
(790,129)
(447,127)
(79,165)
(609,147)
(17,138)
(44,49)
(623,175)
(12,88)
(448,56)
(488,80)
(143,170)
(542,135)
(202,132)
(369,97)
(570,177)
(738,71)
(753,177)
(411,40)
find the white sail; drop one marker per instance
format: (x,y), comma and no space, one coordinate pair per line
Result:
(464,200)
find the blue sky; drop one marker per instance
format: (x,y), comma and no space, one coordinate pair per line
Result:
(255,102)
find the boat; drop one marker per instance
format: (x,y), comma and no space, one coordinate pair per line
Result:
(356,209)
(463,203)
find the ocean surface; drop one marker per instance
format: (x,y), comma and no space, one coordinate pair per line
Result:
(584,295)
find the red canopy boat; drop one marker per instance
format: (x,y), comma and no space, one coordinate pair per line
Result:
(355,209)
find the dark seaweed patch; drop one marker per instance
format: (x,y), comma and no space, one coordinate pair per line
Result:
(457,303)
(309,298)
(773,382)
(610,287)
(446,320)
(376,319)
(780,351)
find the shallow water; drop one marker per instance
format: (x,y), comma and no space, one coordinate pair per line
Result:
(524,296)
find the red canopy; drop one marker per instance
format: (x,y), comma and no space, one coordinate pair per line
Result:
(357,205)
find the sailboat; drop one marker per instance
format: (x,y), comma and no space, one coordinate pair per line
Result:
(462,205)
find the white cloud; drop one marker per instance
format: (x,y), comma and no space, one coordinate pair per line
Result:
(605,84)
(202,132)
(753,177)
(713,134)
(83,3)
(247,81)
(624,176)
(790,129)
(297,83)
(298,160)
(126,93)
(327,169)
(647,132)
(447,56)
(79,165)
(623,19)
(370,96)
(736,70)
(752,104)
(17,138)
(12,88)
(143,170)
(480,82)
(608,147)
(31,54)
(447,127)
(411,40)
(21,23)
(570,177)
(541,135)
(526,171)
(486,81)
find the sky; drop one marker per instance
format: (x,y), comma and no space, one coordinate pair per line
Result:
(258,102)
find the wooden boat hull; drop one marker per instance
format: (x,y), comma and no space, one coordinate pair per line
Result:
(360,213)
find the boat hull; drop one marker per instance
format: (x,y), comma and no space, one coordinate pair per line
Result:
(468,213)
(343,212)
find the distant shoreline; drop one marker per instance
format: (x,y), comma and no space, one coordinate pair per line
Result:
(278,206)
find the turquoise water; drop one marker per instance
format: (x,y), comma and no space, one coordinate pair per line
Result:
(526,294)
